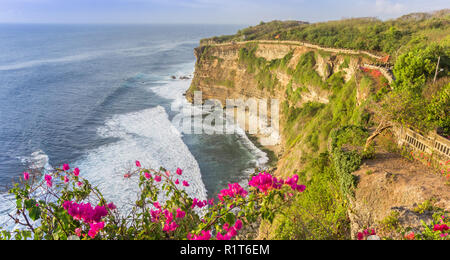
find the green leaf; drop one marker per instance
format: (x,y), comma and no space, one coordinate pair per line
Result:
(230,218)
(35,213)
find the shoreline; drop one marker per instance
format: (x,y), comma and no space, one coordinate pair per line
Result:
(273,158)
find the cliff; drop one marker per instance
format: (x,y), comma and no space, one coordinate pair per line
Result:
(320,92)
(267,70)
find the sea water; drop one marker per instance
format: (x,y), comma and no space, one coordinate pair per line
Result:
(100,97)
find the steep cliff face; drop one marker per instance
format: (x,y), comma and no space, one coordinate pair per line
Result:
(271,71)
(321,92)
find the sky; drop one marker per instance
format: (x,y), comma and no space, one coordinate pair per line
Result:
(248,12)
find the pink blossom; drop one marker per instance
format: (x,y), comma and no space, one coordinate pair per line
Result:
(360,236)
(48,179)
(157,205)
(179,171)
(177,182)
(222,237)
(147,175)
(86,212)
(158,178)
(111,206)
(180,213)
(186,184)
(197,203)
(238,225)
(95,228)
(78,232)
(265,182)
(80,184)
(26,176)
(234,190)
(168,215)
(155,215)
(170,227)
(232,232)
(66,179)
(138,164)
(66,167)
(206,235)
(226,227)
(76,172)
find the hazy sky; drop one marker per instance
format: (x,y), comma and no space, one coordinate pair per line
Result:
(204,11)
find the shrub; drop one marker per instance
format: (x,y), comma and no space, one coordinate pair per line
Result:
(71,208)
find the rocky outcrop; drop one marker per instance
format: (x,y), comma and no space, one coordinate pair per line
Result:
(220,74)
(391,193)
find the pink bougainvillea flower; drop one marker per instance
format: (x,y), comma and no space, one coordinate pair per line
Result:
(26,176)
(157,178)
(437,227)
(226,226)
(78,232)
(111,206)
(155,215)
(222,237)
(157,205)
(138,164)
(234,190)
(206,235)
(87,214)
(186,184)
(147,175)
(167,173)
(48,180)
(179,171)
(66,179)
(232,232)
(180,213)
(76,172)
(238,225)
(95,228)
(211,202)
(177,182)
(170,227)
(66,167)
(80,184)
(360,236)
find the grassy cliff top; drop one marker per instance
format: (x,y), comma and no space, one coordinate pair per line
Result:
(357,33)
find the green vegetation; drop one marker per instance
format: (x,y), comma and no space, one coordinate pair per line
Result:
(391,222)
(322,212)
(261,67)
(324,143)
(369,34)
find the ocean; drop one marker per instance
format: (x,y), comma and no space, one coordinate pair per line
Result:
(100,97)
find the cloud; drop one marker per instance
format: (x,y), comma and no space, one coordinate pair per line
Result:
(389,7)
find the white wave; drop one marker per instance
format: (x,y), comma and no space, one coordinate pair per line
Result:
(147,136)
(38,160)
(175,89)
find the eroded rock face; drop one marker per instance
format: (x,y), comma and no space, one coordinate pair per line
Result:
(391,191)
(220,75)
